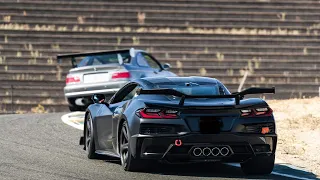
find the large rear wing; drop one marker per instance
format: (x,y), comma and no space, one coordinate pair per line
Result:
(95,53)
(237,96)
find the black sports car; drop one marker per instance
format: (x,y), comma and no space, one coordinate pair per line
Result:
(182,120)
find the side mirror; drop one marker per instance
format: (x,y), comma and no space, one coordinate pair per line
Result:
(98,98)
(166,66)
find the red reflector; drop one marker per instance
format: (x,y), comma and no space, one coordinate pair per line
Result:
(121,75)
(72,79)
(265,130)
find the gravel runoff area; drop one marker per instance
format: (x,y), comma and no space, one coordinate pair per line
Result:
(298,128)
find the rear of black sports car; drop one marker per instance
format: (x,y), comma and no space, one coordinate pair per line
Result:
(208,134)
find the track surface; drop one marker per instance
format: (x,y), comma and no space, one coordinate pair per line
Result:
(41,146)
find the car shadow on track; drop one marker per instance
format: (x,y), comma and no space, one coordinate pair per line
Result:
(214,170)
(217,170)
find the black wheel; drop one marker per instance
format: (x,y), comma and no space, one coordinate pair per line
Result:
(259,165)
(128,162)
(73,108)
(89,138)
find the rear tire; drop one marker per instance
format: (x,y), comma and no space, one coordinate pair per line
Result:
(73,108)
(259,165)
(128,161)
(89,138)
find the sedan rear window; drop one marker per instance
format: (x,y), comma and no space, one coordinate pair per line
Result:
(104,59)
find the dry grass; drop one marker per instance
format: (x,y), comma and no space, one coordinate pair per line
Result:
(298,128)
(190,29)
(39,109)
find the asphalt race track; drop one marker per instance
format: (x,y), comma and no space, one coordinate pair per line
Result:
(41,146)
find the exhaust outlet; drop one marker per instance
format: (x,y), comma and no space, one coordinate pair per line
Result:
(197,151)
(215,151)
(79,102)
(224,151)
(206,151)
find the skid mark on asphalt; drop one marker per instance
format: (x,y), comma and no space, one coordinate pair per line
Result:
(75,119)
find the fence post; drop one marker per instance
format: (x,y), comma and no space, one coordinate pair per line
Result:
(243,80)
(11,86)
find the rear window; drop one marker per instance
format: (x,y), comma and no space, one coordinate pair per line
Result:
(193,88)
(104,59)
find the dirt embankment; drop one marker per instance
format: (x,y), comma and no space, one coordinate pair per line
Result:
(298,128)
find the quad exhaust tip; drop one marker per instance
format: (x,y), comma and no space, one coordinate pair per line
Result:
(213,151)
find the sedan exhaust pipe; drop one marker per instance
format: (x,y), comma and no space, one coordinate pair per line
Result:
(79,102)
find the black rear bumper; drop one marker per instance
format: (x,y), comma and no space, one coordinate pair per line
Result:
(241,147)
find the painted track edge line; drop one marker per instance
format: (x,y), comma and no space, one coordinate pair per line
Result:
(276,173)
(65,118)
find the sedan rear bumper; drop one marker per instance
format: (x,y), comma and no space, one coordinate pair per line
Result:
(224,147)
(89,93)
(85,90)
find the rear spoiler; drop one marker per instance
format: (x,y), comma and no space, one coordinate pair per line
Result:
(95,53)
(237,95)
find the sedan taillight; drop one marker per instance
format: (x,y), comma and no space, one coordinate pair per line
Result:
(150,113)
(121,75)
(72,79)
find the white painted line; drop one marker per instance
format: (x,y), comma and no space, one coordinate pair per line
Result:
(72,118)
(290,176)
(278,174)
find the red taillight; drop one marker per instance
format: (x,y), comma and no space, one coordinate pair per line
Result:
(72,79)
(262,111)
(157,114)
(121,75)
(246,112)
(265,111)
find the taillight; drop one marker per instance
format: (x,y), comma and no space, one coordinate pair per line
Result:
(245,112)
(150,113)
(262,111)
(265,111)
(72,79)
(120,75)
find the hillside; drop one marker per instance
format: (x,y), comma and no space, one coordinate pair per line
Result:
(298,130)
(277,42)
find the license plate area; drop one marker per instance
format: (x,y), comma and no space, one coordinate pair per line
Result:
(210,125)
(95,78)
